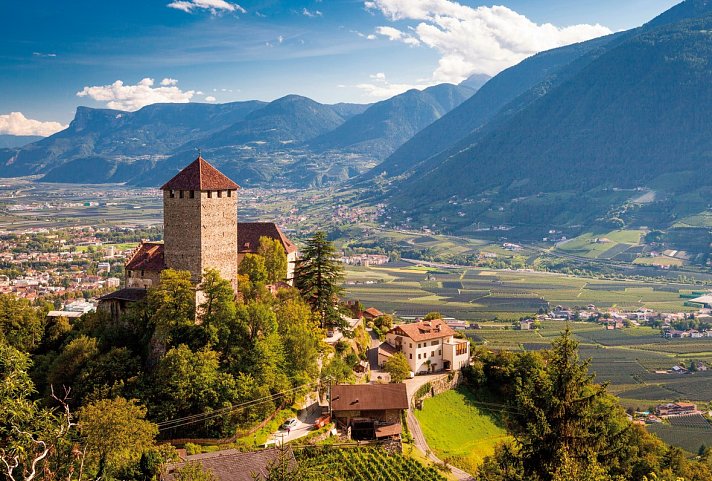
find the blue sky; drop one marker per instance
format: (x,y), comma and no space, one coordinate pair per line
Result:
(220,51)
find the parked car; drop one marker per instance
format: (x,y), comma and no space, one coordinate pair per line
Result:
(290,423)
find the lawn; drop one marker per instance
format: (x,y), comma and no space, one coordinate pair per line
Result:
(457,430)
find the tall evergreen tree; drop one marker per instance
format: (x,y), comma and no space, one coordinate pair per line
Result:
(318,277)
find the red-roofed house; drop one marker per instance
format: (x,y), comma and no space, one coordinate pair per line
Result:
(144,265)
(429,346)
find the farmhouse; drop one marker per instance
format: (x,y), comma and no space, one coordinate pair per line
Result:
(429,346)
(233,465)
(676,409)
(371,313)
(369,411)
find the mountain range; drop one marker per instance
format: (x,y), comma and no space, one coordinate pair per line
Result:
(572,137)
(292,141)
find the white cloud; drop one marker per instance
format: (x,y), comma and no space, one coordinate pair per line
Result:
(15,123)
(475,40)
(41,54)
(309,13)
(280,39)
(210,98)
(133,97)
(395,34)
(381,88)
(213,5)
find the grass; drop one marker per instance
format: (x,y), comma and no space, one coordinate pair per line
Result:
(457,430)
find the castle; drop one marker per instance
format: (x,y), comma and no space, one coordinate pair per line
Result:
(200,231)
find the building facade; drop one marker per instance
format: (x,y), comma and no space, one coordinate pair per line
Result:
(429,346)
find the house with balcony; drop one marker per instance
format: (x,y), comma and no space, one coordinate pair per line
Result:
(429,346)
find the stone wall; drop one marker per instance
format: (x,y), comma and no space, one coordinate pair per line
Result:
(219,233)
(148,279)
(438,385)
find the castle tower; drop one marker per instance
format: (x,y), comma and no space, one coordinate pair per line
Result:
(200,222)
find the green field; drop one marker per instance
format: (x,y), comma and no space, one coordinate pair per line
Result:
(481,294)
(459,429)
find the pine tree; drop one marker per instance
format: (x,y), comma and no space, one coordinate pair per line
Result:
(318,277)
(561,414)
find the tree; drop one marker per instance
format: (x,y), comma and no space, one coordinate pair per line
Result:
(116,433)
(172,303)
(283,468)
(318,277)
(397,366)
(21,325)
(253,266)
(218,306)
(561,415)
(275,259)
(383,322)
(336,371)
(186,383)
(193,471)
(430,316)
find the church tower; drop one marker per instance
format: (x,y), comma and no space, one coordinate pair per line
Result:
(200,222)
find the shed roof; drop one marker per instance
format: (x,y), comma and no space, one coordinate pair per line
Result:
(132,294)
(200,175)
(368,397)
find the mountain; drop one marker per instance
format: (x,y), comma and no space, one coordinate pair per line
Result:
(475,81)
(482,107)
(290,119)
(256,143)
(118,136)
(631,115)
(386,125)
(9,141)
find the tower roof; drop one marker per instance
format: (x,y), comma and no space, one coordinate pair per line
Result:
(200,175)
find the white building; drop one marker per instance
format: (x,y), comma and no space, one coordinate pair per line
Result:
(429,346)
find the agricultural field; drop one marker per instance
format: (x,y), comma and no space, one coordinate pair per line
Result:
(481,294)
(362,464)
(460,429)
(620,245)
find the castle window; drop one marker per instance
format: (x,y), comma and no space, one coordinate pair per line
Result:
(180,194)
(143,272)
(210,194)
(128,273)
(219,194)
(192,194)
(172,193)
(411,356)
(229,193)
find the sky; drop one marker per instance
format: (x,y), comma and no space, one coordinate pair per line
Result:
(57,55)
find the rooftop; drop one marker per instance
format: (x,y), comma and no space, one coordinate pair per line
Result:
(200,175)
(368,397)
(233,465)
(126,294)
(249,233)
(149,257)
(424,330)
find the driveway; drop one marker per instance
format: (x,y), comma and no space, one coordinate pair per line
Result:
(304,426)
(412,385)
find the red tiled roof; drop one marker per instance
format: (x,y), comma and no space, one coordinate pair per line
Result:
(200,175)
(368,397)
(388,430)
(249,233)
(372,311)
(148,257)
(424,330)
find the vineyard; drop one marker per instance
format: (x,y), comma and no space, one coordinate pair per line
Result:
(362,464)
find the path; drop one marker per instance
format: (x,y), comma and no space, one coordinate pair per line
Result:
(422,444)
